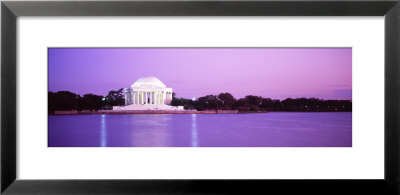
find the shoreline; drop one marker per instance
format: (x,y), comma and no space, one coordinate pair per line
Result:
(145,112)
(164,112)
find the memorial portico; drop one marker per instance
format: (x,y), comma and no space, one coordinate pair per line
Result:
(148,90)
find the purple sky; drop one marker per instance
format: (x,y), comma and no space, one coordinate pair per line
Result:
(276,73)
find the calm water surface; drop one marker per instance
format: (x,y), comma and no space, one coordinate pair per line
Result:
(276,129)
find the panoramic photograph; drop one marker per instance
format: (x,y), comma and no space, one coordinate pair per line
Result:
(200,97)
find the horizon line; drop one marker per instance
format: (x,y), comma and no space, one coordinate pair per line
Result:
(299,97)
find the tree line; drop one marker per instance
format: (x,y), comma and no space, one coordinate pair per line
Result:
(65,100)
(251,103)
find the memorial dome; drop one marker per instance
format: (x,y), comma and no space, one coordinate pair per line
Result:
(148,90)
(148,83)
(148,80)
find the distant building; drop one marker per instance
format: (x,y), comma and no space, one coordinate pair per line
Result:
(148,93)
(148,90)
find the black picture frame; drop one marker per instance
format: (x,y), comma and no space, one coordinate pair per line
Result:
(11,10)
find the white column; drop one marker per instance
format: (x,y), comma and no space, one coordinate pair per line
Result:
(136,98)
(158,97)
(167,98)
(133,98)
(155,97)
(141,97)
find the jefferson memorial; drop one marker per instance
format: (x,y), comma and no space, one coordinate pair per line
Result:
(148,93)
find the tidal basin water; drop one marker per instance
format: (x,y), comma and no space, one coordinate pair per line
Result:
(274,129)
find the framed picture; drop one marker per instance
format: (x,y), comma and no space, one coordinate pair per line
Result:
(200,97)
(147,113)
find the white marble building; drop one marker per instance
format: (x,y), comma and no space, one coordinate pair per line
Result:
(148,93)
(148,90)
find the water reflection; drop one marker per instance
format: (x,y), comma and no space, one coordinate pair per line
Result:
(103,131)
(150,130)
(195,141)
(276,129)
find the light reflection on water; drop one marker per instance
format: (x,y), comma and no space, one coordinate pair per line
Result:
(149,130)
(276,129)
(103,133)
(194,132)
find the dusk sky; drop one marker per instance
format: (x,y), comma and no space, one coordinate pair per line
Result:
(276,73)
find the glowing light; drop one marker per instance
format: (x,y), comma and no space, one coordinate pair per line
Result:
(103,132)
(195,141)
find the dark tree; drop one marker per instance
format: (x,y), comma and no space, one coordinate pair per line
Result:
(241,105)
(92,102)
(227,101)
(62,100)
(115,98)
(65,100)
(209,102)
(253,100)
(186,103)
(316,105)
(267,104)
